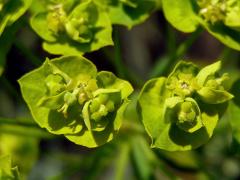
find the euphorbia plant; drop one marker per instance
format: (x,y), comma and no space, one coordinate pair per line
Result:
(219,17)
(68,96)
(180,112)
(73,27)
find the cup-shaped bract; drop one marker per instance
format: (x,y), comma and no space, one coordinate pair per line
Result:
(11,10)
(68,96)
(6,170)
(73,27)
(185,113)
(180,112)
(221,18)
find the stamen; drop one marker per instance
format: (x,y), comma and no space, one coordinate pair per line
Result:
(184,85)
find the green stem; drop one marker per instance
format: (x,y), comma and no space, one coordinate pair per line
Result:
(122,161)
(120,68)
(171,40)
(183,48)
(20,128)
(226,56)
(29,132)
(18,122)
(165,64)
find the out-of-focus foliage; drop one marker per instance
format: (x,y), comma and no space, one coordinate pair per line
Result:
(234,111)
(24,149)
(6,170)
(11,10)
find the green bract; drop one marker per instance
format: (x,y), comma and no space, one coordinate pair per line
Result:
(221,18)
(73,27)
(6,170)
(11,10)
(68,96)
(180,112)
(129,12)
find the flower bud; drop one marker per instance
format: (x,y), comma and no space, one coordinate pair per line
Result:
(101,106)
(69,98)
(189,116)
(186,113)
(83,97)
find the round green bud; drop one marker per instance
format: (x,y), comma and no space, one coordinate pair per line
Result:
(110,106)
(186,107)
(186,112)
(69,98)
(95,105)
(191,116)
(103,110)
(82,98)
